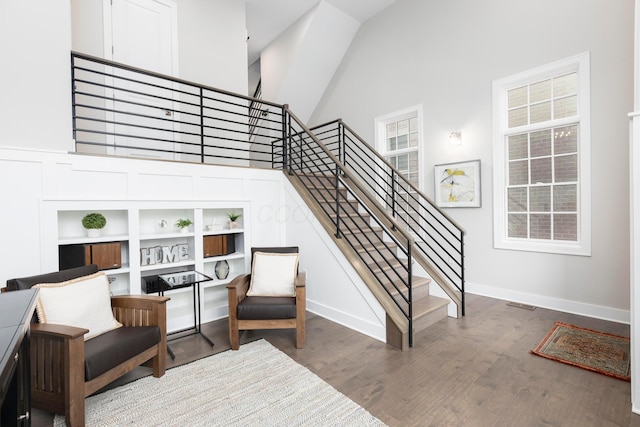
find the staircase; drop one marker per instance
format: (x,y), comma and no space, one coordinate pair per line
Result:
(375,255)
(383,224)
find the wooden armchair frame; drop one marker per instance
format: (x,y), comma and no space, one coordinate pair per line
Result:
(237,291)
(57,357)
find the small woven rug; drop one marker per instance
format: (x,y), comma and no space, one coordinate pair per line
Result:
(588,349)
(257,385)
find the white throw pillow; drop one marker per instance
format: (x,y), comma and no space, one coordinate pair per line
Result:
(84,302)
(273,274)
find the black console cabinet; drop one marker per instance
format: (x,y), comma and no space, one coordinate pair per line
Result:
(16,311)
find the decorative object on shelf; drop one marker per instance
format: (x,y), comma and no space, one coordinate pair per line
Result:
(222,269)
(213,226)
(233,220)
(164,254)
(94,222)
(458,184)
(183,224)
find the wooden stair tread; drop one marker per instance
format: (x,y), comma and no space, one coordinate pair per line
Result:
(427,304)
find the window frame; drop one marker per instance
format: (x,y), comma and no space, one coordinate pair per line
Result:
(579,64)
(381,134)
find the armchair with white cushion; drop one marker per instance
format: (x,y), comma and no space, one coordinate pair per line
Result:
(272,296)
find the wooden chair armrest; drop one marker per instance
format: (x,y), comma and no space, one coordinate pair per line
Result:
(240,284)
(142,302)
(140,310)
(51,330)
(301,279)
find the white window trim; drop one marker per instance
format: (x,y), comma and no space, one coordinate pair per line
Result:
(579,63)
(380,136)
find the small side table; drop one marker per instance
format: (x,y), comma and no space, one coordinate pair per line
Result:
(185,279)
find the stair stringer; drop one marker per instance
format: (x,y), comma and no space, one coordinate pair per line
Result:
(358,308)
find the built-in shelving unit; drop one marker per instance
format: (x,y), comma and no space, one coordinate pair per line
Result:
(151,244)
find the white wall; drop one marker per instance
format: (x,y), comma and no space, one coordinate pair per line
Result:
(35,87)
(634,164)
(275,215)
(445,55)
(298,65)
(212,38)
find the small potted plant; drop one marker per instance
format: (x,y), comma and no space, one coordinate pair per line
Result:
(233,220)
(183,224)
(94,222)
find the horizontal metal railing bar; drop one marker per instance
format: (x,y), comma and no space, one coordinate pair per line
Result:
(349,174)
(416,189)
(409,206)
(370,241)
(167,77)
(167,108)
(172,141)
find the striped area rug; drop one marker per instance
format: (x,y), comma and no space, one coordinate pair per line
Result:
(257,385)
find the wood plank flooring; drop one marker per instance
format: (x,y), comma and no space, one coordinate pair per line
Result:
(475,371)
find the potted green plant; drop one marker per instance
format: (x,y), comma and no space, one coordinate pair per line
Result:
(233,220)
(183,224)
(94,222)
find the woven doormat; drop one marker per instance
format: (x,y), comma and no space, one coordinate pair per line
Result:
(596,351)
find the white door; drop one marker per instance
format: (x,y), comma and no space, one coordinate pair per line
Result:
(142,34)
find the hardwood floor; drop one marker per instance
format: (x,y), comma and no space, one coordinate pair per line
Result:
(475,371)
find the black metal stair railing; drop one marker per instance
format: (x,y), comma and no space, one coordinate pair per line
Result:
(331,184)
(438,237)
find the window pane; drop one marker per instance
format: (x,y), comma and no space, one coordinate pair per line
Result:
(413,139)
(403,142)
(541,170)
(517,199)
(519,173)
(518,117)
(540,91)
(391,144)
(566,168)
(541,112)
(403,127)
(565,107)
(518,147)
(565,140)
(541,199)
(413,124)
(403,163)
(540,226)
(541,143)
(565,85)
(517,225)
(517,97)
(391,130)
(565,198)
(565,227)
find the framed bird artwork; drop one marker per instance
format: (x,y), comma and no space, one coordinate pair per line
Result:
(458,184)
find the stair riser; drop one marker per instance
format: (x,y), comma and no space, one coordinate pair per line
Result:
(320,182)
(423,322)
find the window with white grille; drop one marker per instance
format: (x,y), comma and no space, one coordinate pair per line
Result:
(398,138)
(541,159)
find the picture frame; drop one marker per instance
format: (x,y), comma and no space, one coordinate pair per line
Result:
(458,184)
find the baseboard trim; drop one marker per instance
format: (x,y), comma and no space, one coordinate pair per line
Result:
(558,304)
(376,331)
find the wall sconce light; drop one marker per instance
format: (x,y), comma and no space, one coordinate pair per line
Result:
(455,138)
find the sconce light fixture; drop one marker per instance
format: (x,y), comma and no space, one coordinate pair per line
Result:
(455,138)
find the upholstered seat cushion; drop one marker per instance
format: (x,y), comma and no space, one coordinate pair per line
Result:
(117,346)
(264,308)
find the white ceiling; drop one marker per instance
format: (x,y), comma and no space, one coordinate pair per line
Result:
(267,19)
